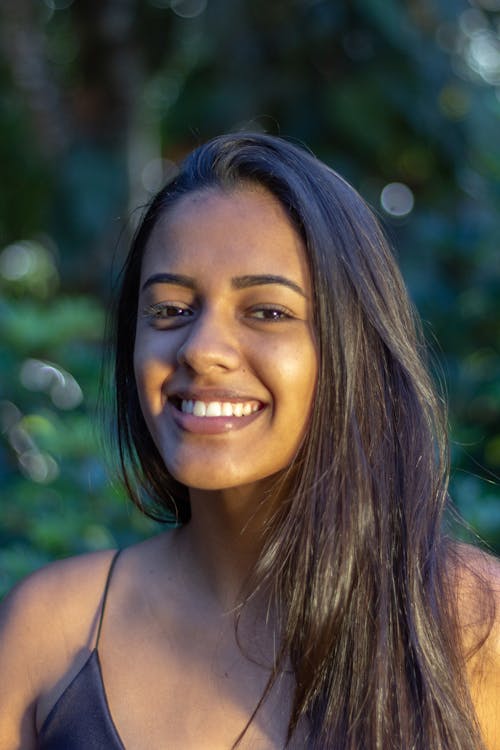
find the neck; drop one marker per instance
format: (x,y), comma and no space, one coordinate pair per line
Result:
(224,537)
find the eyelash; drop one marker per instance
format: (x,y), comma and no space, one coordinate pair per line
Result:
(161,311)
(283,313)
(155,311)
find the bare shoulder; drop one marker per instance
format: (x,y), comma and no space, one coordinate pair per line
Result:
(45,622)
(53,597)
(478,599)
(476,577)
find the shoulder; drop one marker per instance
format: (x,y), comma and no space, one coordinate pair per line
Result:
(53,598)
(477,575)
(45,622)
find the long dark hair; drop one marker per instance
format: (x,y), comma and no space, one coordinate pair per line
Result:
(354,555)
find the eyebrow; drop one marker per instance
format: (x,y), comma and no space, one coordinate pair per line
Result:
(238,282)
(169,278)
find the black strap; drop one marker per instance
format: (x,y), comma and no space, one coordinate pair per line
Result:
(105,596)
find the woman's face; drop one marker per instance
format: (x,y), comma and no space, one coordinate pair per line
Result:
(225,357)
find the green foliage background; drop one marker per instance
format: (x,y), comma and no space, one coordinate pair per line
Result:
(98,99)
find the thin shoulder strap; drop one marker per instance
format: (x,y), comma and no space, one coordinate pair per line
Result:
(105,596)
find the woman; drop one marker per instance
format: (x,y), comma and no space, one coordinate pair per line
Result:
(271,399)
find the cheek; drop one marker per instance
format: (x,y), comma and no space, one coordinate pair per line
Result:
(297,376)
(150,375)
(308,381)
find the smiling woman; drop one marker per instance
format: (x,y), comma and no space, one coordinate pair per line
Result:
(220,330)
(271,400)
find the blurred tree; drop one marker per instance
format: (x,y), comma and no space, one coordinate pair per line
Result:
(99,98)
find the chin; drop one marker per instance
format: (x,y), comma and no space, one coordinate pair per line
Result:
(207,483)
(219,481)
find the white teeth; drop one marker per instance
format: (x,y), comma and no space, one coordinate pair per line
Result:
(199,409)
(227,409)
(214,409)
(219,408)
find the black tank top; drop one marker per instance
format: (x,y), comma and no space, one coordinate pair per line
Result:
(80,718)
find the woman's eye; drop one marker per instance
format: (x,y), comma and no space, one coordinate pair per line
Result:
(167,312)
(271,313)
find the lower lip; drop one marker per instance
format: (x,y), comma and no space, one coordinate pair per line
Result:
(211,425)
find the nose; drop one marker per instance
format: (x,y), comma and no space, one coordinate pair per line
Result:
(210,345)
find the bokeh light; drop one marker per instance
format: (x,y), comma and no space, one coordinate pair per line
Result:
(35,464)
(39,467)
(17,260)
(182,8)
(483,55)
(29,267)
(37,375)
(397,199)
(188,8)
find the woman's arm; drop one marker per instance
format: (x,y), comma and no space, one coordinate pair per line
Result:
(23,623)
(47,625)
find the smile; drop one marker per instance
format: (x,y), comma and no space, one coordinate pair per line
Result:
(219,408)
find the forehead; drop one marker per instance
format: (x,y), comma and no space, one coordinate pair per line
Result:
(242,231)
